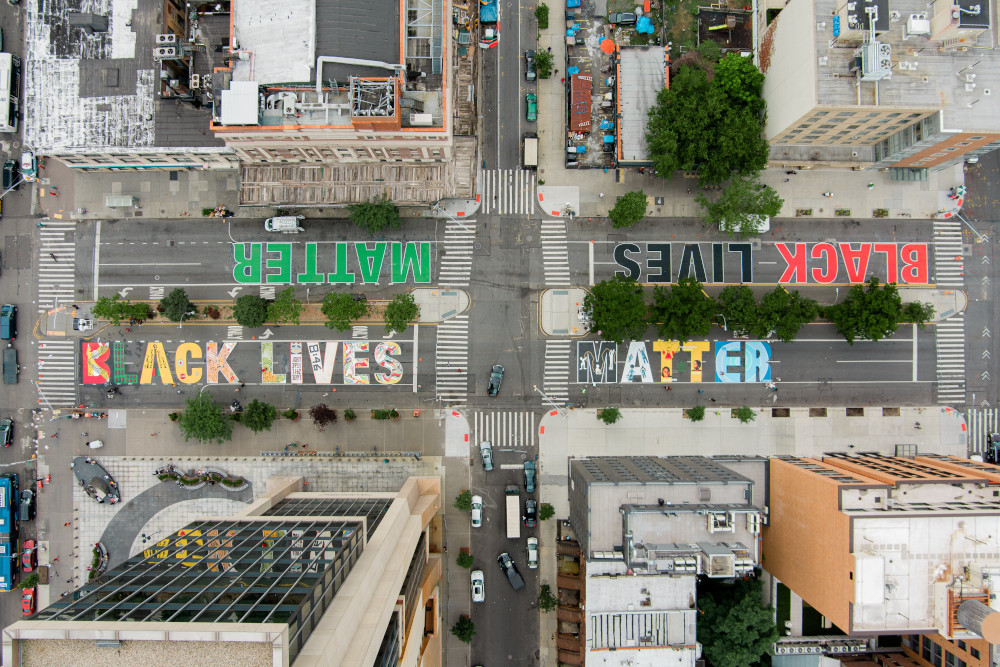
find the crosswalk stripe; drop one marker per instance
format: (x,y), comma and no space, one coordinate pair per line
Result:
(508,191)
(57,373)
(981,421)
(455,266)
(555,376)
(949,264)
(505,429)
(56,274)
(555,253)
(452,359)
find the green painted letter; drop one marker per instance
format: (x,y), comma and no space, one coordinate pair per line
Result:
(283,263)
(340,273)
(246,269)
(370,261)
(405,260)
(310,276)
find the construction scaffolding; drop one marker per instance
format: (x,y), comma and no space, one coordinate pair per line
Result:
(425,33)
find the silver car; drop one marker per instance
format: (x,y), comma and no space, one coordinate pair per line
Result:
(477,511)
(478,586)
(532,553)
(486,449)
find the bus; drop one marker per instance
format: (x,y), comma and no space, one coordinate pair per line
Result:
(8,531)
(10,91)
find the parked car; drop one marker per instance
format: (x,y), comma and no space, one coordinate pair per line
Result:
(29,556)
(6,431)
(26,508)
(530,513)
(992,445)
(9,174)
(529,476)
(486,450)
(477,511)
(8,321)
(496,377)
(529,65)
(95,444)
(29,165)
(531,113)
(532,553)
(478,586)
(627,17)
(508,567)
(28,601)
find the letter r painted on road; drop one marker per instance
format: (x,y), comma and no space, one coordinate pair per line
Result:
(246,270)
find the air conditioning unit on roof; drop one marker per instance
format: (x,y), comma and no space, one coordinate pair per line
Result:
(160,52)
(167,38)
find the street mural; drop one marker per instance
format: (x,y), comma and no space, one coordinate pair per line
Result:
(338,264)
(799,263)
(295,362)
(733,361)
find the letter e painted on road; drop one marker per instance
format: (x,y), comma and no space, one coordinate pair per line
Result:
(352,363)
(727,356)
(632,268)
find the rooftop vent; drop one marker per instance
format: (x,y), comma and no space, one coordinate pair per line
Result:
(89,21)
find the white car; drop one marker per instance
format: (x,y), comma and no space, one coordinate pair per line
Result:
(533,553)
(486,449)
(478,586)
(477,511)
(95,444)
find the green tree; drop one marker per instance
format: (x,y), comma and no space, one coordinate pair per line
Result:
(463,501)
(783,313)
(683,312)
(741,81)
(543,64)
(738,308)
(258,416)
(629,209)
(250,311)
(745,414)
(341,309)
(400,312)
(322,415)
(710,51)
(285,307)
(918,313)
(609,415)
(735,628)
(742,208)
(698,124)
(546,600)
(869,312)
(117,309)
(203,420)
(29,581)
(464,629)
(546,511)
(697,413)
(542,15)
(376,215)
(617,309)
(177,305)
(465,560)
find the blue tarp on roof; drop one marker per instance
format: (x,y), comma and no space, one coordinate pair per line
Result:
(644,25)
(488,11)
(570,4)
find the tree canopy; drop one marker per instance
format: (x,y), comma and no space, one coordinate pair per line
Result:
(629,209)
(735,628)
(322,415)
(258,416)
(870,312)
(543,64)
(400,312)
(683,312)
(918,313)
(250,311)
(713,126)
(177,305)
(341,309)
(464,629)
(375,215)
(738,307)
(117,309)
(203,420)
(617,309)
(285,307)
(783,313)
(742,206)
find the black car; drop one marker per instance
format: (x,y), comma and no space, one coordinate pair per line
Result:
(508,567)
(9,174)
(530,513)
(529,65)
(496,377)
(992,444)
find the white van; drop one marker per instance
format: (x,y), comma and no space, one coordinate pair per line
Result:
(286,224)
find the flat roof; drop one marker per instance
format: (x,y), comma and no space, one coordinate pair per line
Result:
(370,32)
(643,73)
(280,35)
(98,93)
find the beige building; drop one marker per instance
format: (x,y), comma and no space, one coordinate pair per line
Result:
(895,84)
(295,579)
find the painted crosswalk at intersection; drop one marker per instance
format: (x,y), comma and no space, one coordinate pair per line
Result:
(508,191)
(555,253)
(505,429)
(56,264)
(950,344)
(457,247)
(949,265)
(981,422)
(555,377)
(57,373)
(452,359)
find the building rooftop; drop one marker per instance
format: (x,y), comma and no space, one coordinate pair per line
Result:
(923,76)
(92,84)
(642,74)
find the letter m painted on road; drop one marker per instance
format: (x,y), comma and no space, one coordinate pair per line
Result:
(405,261)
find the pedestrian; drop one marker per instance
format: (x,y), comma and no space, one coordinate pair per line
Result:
(550,49)
(668,387)
(242,384)
(712,399)
(850,446)
(562,80)
(55,559)
(66,524)
(828,194)
(787,179)
(701,391)
(871,186)
(602,195)
(53,256)
(689,190)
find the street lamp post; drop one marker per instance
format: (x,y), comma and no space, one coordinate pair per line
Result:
(181,323)
(725,326)
(542,394)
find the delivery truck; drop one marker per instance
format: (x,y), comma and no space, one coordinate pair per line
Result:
(530,151)
(513,494)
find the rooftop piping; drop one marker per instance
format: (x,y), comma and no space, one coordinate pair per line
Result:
(320,61)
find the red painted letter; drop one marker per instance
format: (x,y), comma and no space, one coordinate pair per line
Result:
(829,253)
(856,261)
(914,256)
(796,262)
(891,263)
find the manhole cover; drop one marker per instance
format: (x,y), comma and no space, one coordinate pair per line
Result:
(529,238)
(478,246)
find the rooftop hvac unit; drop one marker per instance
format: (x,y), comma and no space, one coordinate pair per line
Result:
(160,52)
(421,119)
(288,104)
(167,38)
(195,81)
